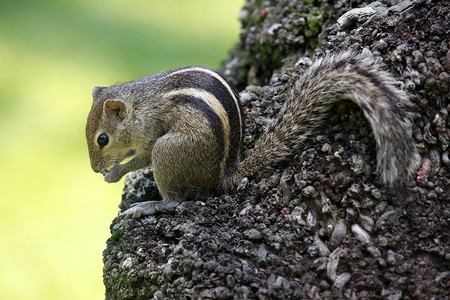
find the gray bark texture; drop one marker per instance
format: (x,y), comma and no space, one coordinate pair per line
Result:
(320,225)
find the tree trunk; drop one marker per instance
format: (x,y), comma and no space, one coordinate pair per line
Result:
(320,225)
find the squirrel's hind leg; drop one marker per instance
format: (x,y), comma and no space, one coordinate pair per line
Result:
(147,208)
(184,168)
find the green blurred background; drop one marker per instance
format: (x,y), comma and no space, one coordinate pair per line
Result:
(55,211)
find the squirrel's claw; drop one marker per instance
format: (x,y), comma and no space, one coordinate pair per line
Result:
(147,208)
(114,175)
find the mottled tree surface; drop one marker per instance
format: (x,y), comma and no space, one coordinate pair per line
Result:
(320,225)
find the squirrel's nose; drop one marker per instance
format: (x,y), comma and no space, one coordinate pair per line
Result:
(96,167)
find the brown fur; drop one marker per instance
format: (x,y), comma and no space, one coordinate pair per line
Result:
(182,132)
(183,124)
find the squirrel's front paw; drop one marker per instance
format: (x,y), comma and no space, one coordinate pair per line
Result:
(112,176)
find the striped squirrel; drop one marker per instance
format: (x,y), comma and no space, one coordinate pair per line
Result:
(187,125)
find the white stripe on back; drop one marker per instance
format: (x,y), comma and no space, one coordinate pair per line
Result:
(224,83)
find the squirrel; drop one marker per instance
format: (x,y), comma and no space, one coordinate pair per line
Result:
(187,126)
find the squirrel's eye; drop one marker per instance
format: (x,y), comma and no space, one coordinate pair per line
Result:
(102,140)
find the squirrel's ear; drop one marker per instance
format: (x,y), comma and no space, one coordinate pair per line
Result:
(96,90)
(116,108)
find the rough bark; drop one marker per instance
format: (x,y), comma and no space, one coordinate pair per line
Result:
(320,225)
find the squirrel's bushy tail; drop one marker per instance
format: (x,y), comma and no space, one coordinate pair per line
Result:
(335,77)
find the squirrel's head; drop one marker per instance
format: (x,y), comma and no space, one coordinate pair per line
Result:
(108,139)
